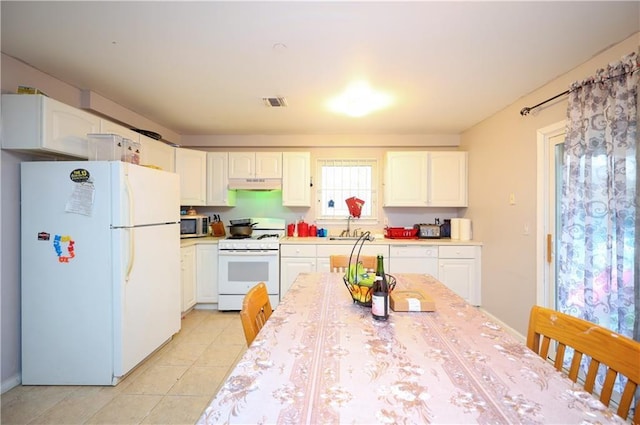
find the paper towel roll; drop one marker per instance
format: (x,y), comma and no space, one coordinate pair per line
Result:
(465,229)
(455,228)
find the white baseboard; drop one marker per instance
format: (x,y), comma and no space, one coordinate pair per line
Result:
(12,382)
(517,335)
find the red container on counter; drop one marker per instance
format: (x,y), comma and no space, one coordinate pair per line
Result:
(313,231)
(303,229)
(291,228)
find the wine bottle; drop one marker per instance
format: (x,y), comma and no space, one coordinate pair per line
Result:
(380,296)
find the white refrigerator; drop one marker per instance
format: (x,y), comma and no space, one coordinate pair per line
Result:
(100,269)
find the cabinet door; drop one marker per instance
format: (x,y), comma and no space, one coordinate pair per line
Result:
(191,164)
(290,267)
(39,123)
(268,165)
(405,179)
(207,273)
(188,276)
(296,178)
(110,127)
(447,179)
(413,259)
(218,193)
(459,275)
(157,153)
(242,165)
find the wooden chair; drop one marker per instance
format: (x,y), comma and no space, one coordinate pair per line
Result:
(256,310)
(340,263)
(619,354)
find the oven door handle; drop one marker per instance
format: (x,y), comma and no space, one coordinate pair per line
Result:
(247,253)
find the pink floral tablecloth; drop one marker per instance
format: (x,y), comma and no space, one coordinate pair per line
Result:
(322,359)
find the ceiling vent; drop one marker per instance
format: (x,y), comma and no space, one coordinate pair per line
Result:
(274,102)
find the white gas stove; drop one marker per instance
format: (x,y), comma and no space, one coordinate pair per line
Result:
(245,261)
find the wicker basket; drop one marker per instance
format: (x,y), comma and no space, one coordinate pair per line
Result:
(362,294)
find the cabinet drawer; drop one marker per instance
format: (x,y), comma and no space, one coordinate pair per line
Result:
(297,250)
(457,252)
(413,251)
(325,251)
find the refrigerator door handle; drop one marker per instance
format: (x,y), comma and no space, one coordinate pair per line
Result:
(131,232)
(132,253)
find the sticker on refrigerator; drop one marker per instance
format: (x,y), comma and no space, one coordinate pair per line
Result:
(64,247)
(82,195)
(43,236)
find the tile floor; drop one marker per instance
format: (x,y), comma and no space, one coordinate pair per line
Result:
(173,386)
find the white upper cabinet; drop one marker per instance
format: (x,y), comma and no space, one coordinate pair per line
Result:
(447,179)
(296,179)
(251,165)
(191,165)
(405,179)
(110,127)
(425,179)
(37,123)
(218,193)
(157,153)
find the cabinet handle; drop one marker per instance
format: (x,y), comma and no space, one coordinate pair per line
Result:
(549,248)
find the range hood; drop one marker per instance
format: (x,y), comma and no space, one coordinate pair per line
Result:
(255,184)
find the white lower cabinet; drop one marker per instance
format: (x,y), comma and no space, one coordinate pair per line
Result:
(188,276)
(460,270)
(413,259)
(206,273)
(457,266)
(295,259)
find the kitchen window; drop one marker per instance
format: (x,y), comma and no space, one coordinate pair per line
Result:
(340,179)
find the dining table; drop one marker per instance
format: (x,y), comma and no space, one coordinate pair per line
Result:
(322,359)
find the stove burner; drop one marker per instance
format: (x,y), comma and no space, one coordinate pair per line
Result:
(239,237)
(272,235)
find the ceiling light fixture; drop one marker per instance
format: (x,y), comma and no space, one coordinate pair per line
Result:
(359,99)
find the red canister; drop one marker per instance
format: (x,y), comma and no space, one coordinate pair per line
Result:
(313,231)
(303,229)
(291,228)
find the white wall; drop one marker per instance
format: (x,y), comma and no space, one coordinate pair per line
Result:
(502,160)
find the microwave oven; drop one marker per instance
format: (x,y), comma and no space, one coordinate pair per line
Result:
(194,226)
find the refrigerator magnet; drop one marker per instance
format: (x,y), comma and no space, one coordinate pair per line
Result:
(57,239)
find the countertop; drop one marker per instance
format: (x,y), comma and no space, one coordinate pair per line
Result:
(378,241)
(327,241)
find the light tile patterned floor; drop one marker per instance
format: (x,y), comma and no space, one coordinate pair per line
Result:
(173,386)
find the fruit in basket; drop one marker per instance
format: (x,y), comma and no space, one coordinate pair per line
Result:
(358,274)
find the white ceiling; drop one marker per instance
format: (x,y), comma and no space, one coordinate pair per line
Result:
(204,67)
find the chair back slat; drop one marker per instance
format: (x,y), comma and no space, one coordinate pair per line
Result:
(340,263)
(256,310)
(618,354)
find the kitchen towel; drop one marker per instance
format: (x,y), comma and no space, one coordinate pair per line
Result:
(465,229)
(455,228)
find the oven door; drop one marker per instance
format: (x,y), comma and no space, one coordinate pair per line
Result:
(239,271)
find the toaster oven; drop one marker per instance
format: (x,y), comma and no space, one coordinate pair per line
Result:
(428,231)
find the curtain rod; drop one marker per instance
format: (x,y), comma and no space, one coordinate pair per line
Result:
(525,111)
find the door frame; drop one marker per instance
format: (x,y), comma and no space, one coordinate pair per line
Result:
(544,297)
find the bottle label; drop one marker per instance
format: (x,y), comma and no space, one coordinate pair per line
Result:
(380,306)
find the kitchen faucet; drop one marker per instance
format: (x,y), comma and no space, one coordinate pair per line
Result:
(347,232)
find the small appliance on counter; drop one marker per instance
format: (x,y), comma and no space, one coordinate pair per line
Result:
(428,231)
(194,226)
